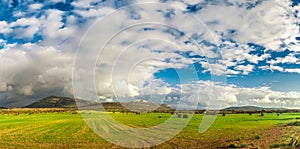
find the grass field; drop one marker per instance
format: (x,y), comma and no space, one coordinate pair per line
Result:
(68,130)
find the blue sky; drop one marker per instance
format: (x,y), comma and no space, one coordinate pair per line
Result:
(276,80)
(252,46)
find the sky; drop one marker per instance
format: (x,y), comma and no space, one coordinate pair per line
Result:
(208,53)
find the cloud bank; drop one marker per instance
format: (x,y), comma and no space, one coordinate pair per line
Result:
(235,38)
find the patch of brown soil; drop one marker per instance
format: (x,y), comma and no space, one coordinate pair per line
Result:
(262,139)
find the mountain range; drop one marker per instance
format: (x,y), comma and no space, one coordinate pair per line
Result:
(71,103)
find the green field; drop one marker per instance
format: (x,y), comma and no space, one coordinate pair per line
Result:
(67,130)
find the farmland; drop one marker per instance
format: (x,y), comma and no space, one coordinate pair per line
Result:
(66,129)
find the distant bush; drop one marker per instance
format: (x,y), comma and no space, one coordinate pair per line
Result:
(244,145)
(74,112)
(274,146)
(294,124)
(257,137)
(233,146)
(238,139)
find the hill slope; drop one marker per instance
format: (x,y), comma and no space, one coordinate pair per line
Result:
(53,102)
(70,103)
(250,108)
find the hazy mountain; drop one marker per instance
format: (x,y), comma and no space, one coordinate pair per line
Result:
(54,102)
(250,108)
(70,103)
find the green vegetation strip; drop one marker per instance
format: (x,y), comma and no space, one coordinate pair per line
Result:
(67,130)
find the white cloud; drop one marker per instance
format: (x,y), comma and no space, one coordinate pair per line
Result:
(35,6)
(27,90)
(265,99)
(83,4)
(27,27)
(95,12)
(219,96)
(281,69)
(232,72)
(4,27)
(231,98)
(233,55)
(269,24)
(29,71)
(54,31)
(45,68)
(133,90)
(293,70)
(255,59)
(215,69)
(272,68)
(289,59)
(246,69)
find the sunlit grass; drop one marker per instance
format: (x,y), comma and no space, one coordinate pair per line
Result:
(67,130)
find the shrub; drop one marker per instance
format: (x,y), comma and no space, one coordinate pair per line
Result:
(294,124)
(238,139)
(244,145)
(257,137)
(275,146)
(74,112)
(233,146)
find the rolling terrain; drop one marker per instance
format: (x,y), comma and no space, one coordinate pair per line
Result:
(55,122)
(70,103)
(64,129)
(251,108)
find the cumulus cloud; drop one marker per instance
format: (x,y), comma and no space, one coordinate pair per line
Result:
(54,31)
(29,72)
(270,23)
(216,95)
(272,68)
(289,59)
(295,70)
(35,6)
(245,68)
(25,27)
(4,27)
(215,35)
